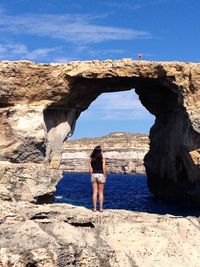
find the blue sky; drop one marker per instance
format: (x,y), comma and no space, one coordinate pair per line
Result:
(67,30)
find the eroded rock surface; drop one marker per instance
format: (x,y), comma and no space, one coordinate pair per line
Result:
(64,235)
(40,103)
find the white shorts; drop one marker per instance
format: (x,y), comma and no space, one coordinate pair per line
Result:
(98,177)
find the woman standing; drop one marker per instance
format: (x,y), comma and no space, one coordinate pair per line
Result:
(97,169)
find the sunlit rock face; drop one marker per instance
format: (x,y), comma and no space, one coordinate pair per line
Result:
(65,235)
(40,103)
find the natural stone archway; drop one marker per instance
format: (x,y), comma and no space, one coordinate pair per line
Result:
(40,103)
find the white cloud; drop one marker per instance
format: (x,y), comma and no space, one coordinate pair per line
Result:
(40,53)
(63,59)
(20,52)
(137,4)
(116,106)
(2,10)
(12,51)
(72,28)
(86,49)
(126,4)
(105,52)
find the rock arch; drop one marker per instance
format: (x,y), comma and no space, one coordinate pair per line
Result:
(40,103)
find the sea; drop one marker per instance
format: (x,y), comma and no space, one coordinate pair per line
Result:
(122,191)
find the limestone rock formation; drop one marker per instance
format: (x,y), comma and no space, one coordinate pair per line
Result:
(39,106)
(64,235)
(40,103)
(124,153)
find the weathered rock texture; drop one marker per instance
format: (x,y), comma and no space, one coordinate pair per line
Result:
(64,235)
(124,153)
(40,103)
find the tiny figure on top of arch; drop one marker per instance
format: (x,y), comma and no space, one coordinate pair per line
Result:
(139,56)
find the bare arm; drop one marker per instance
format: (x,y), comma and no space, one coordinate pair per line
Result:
(90,167)
(104,167)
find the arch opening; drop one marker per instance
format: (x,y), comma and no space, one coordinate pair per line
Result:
(76,154)
(171,137)
(111,121)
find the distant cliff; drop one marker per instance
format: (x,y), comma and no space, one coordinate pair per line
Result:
(124,153)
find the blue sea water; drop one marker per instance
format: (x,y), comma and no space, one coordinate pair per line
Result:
(122,191)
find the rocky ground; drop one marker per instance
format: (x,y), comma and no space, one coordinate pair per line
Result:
(65,235)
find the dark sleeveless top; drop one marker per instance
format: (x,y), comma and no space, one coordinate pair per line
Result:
(97,166)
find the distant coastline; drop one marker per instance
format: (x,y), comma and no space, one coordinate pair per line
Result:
(124,153)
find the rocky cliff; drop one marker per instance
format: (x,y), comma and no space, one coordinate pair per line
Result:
(124,153)
(40,103)
(64,235)
(39,106)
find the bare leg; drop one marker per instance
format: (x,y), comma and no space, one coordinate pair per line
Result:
(94,196)
(101,195)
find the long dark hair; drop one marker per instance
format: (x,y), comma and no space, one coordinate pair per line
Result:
(96,154)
